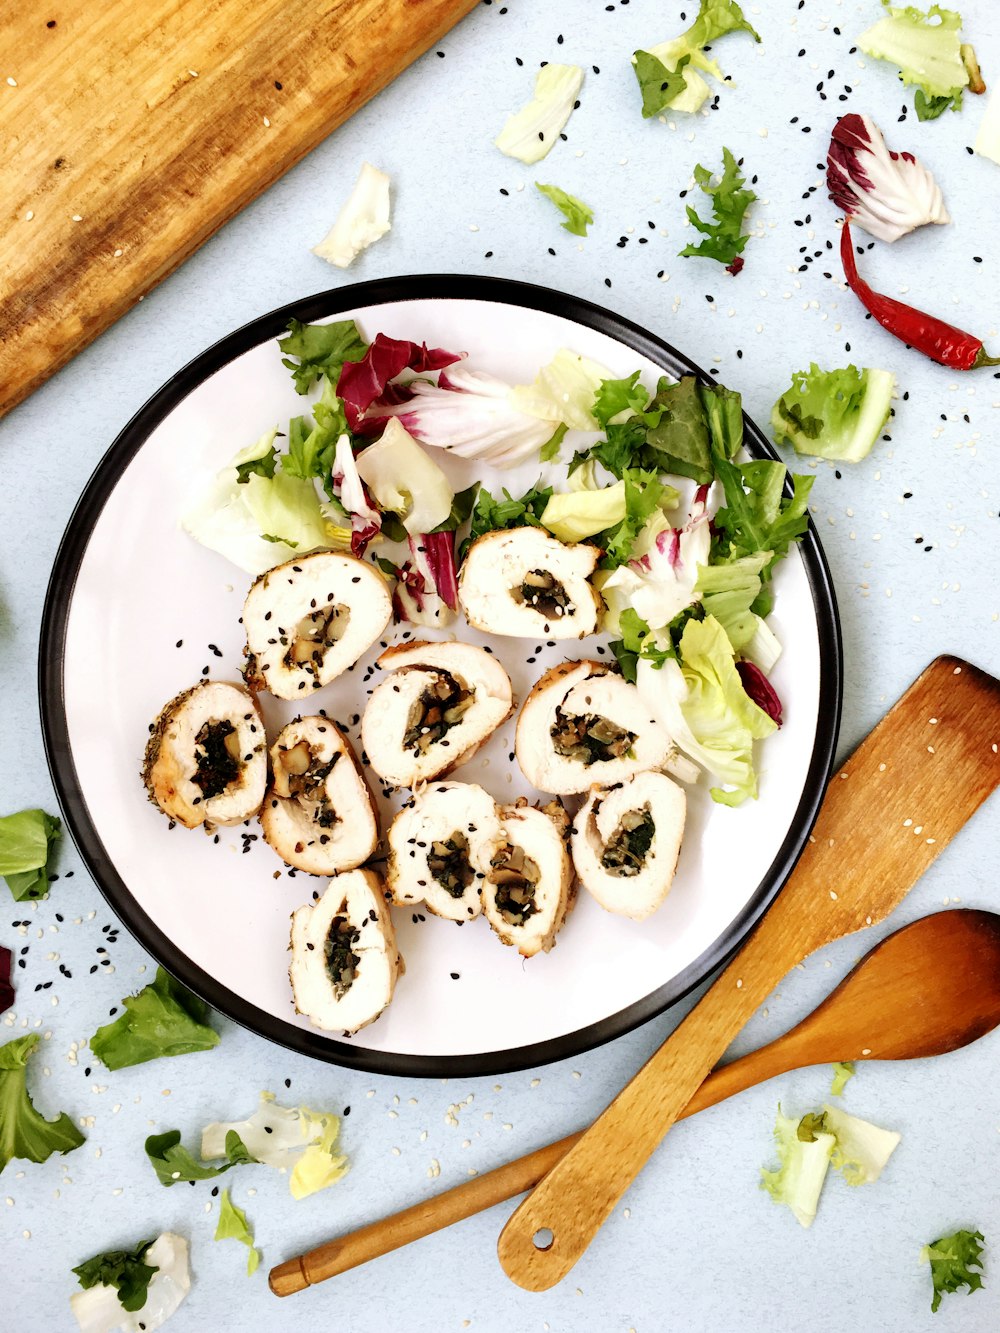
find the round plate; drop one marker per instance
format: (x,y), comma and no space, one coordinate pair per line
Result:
(136,611)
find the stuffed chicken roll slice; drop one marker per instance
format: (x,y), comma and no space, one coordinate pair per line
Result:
(345,962)
(441,847)
(529,886)
(318,814)
(526,584)
(206,757)
(308,620)
(441,703)
(626,840)
(583,724)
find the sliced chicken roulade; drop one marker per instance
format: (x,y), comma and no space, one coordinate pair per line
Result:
(441,846)
(626,840)
(318,814)
(442,702)
(528,585)
(311,618)
(345,962)
(206,757)
(529,887)
(583,724)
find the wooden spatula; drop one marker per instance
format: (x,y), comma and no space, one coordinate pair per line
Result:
(888,813)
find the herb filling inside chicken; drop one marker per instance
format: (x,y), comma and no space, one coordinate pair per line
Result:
(217,758)
(590,738)
(305,779)
(439,708)
(449,863)
(314,634)
(626,851)
(543,591)
(341,960)
(516,877)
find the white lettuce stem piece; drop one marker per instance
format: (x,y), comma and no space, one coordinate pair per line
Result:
(363,219)
(988,139)
(403,478)
(290,1138)
(99,1310)
(534,129)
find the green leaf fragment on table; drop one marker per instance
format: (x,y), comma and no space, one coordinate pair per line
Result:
(926,48)
(834,414)
(930,108)
(173,1163)
(670,73)
(952,1259)
(578,215)
(24,1132)
(26,840)
(125,1270)
(233,1225)
(658,85)
(843,1072)
(312,350)
(722,238)
(163,1019)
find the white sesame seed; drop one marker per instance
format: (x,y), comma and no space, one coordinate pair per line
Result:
(867,1051)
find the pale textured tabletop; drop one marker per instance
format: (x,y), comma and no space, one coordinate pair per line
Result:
(911,536)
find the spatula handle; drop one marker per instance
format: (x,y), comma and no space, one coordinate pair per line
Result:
(583,1188)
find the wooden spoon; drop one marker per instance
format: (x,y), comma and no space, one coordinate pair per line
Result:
(929,988)
(888,813)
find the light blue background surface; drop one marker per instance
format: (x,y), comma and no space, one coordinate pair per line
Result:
(694,1246)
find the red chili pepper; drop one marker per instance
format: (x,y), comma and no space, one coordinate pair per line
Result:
(940,341)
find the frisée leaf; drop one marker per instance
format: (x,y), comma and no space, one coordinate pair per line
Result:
(312,350)
(578,215)
(723,238)
(952,1260)
(125,1270)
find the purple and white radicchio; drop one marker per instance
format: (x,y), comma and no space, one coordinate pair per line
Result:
(888,194)
(467,412)
(427,585)
(349,489)
(362,382)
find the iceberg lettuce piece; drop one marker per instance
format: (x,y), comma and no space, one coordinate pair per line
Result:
(804,1157)
(405,479)
(564,390)
(685,56)
(290,1138)
(926,47)
(862,1150)
(531,132)
(362,221)
(574,515)
(834,414)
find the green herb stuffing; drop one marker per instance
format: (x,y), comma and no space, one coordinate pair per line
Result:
(125,1270)
(312,350)
(952,1259)
(172,1163)
(578,215)
(163,1019)
(723,238)
(233,1225)
(25,847)
(23,1131)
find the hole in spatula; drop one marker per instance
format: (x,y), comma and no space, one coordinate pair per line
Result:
(543,1239)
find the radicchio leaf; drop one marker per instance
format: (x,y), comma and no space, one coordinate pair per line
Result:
(362,382)
(760,690)
(439,547)
(6,988)
(888,194)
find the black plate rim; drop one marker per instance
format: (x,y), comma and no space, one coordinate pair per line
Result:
(52,646)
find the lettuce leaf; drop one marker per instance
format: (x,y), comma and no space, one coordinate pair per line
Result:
(25,847)
(531,132)
(723,238)
(645,495)
(291,1138)
(312,350)
(578,215)
(803,1163)
(575,515)
(100,1308)
(233,1225)
(952,1259)
(23,1131)
(564,390)
(835,414)
(659,85)
(926,48)
(173,1163)
(404,478)
(638,641)
(729,590)
(684,56)
(616,396)
(163,1019)
(862,1148)
(843,1072)
(125,1270)
(363,219)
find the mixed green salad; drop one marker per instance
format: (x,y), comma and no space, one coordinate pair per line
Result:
(689,533)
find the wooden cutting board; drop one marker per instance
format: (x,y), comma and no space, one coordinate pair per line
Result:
(131,130)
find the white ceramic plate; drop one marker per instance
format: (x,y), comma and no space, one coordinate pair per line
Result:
(128,585)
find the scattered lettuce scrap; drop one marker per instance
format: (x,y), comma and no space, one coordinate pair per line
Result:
(173,1163)
(531,132)
(988,138)
(124,1270)
(952,1259)
(163,1019)
(843,1072)
(312,350)
(23,1131)
(112,1278)
(808,1147)
(670,74)
(927,49)
(25,845)
(363,219)
(578,215)
(292,1138)
(233,1225)
(834,414)
(723,238)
